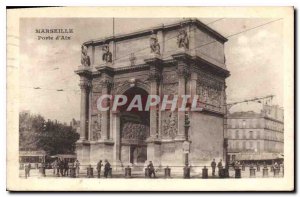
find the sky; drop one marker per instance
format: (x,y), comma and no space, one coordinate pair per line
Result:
(254,59)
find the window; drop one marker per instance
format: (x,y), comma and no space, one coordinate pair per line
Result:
(250,144)
(251,134)
(244,123)
(258,146)
(237,145)
(254,123)
(257,134)
(244,145)
(232,123)
(233,157)
(237,134)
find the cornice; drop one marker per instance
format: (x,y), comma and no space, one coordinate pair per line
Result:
(149,31)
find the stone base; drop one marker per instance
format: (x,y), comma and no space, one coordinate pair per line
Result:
(83,152)
(91,152)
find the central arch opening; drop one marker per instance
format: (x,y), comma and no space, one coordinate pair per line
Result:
(134,129)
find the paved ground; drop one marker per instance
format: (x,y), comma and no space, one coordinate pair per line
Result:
(34,173)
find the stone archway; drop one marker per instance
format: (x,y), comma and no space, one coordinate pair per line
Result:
(134,129)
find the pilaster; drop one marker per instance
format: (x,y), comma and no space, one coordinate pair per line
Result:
(183,72)
(85,85)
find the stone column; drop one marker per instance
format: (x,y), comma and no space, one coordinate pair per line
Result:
(193,84)
(183,71)
(153,146)
(83,144)
(153,110)
(105,114)
(154,78)
(84,86)
(93,55)
(117,141)
(183,75)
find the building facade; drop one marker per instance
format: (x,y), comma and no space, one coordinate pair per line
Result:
(175,59)
(256,136)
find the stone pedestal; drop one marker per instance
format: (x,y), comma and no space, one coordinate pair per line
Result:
(83,152)
(252,173)
(238,173)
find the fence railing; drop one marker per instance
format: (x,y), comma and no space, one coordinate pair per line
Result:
(141,171)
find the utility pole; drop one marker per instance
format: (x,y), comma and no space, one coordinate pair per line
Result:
(113,27)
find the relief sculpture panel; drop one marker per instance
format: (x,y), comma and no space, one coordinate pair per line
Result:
(169,125)
(96,127)
(210,90)
(135,131)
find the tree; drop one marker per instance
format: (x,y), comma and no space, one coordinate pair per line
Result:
(30,128)
(50,136)
(58,139)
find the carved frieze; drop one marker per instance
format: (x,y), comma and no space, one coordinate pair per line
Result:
(135,131)
(210,91)
(169,124)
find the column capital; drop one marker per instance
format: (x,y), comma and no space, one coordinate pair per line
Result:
(85,84)
(184,71)
(107,83)
(155,77)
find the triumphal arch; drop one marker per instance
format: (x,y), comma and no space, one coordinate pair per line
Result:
(184,58)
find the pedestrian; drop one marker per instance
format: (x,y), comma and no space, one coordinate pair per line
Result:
(237,164)
(66,168)
(54,166)
(61,167)
(220,166)
(77,166)
(106,168)
(27,170)
(213,166)
(99,165)
(151,169)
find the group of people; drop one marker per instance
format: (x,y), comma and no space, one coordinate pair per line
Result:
(107,168)
(214,165)
(61,167)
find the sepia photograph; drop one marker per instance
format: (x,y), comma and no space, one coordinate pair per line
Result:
(178,102)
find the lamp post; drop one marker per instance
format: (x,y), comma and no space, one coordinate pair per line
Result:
(186,146)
